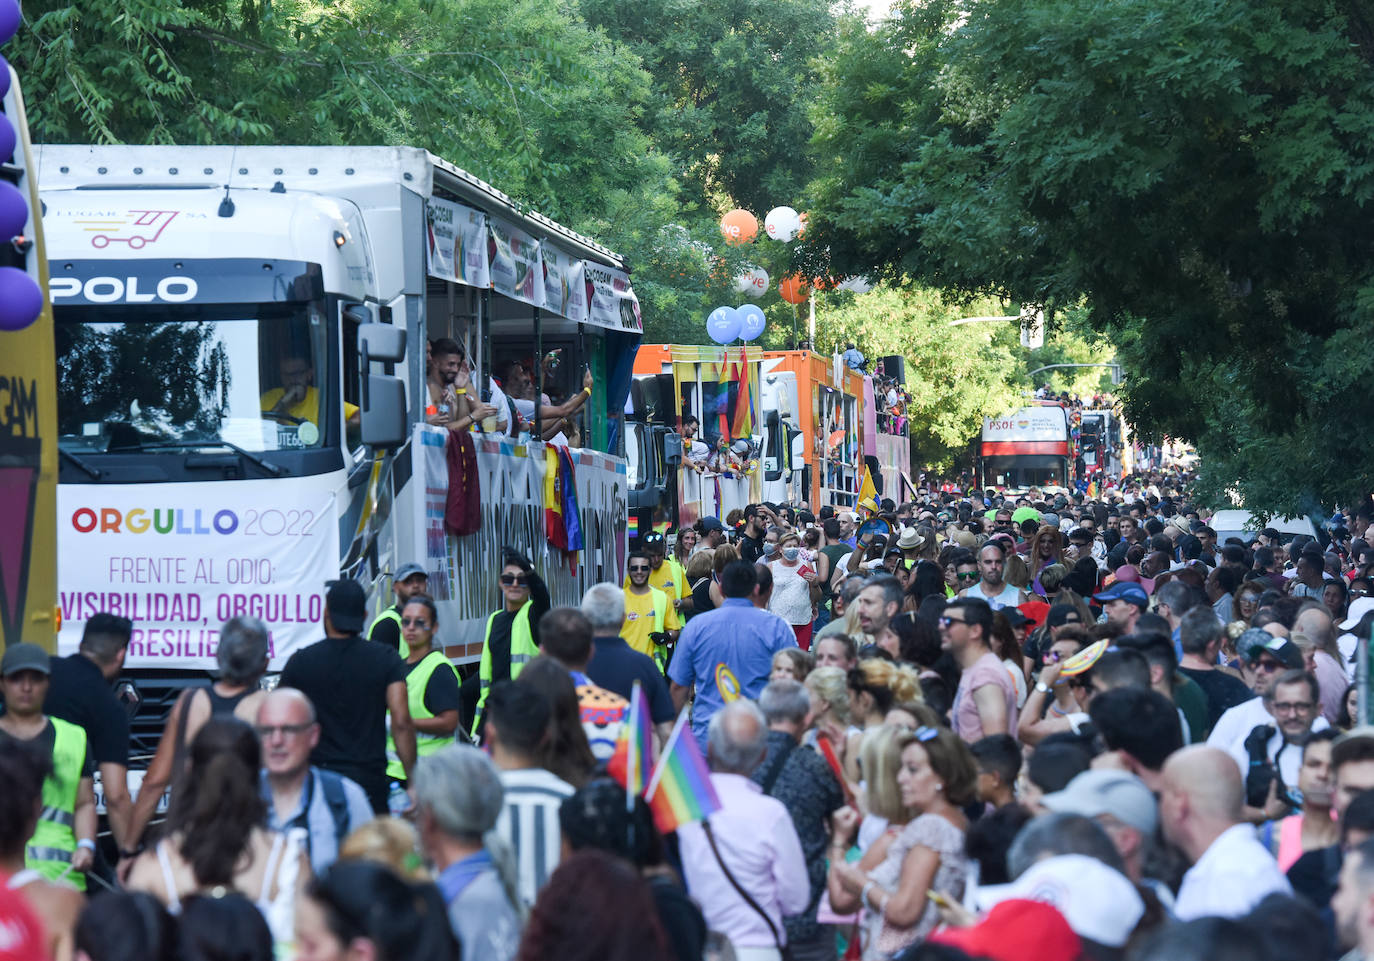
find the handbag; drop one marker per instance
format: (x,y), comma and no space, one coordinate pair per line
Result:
(784,950)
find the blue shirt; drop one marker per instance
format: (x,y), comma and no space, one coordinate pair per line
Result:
(853,359)
(312,813)
(455,878)
(727,653)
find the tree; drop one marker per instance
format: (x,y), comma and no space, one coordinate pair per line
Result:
(1195,171)
(956,375)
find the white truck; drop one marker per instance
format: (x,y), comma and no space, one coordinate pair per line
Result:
(193,286)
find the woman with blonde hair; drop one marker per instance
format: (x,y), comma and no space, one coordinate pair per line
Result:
(875,685)
(1046,548)
(388,841)
(699,570)
(1015,572)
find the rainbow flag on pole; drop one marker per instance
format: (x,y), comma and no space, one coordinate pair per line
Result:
(633,756)
(681,790)
(744,402)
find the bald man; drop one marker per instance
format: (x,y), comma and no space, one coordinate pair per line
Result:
(326,805)
(1200,811)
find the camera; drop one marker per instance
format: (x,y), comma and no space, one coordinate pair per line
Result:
(1262,773)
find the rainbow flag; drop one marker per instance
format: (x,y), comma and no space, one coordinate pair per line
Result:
(681,790)
(633,756)
(633,528)
(744,413)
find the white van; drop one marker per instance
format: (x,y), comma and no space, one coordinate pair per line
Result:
(1243,524)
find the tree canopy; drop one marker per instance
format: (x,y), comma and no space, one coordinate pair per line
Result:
(1195,171)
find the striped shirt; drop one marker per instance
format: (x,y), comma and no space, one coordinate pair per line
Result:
(529,824)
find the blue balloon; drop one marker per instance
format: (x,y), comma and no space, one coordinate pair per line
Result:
(8,139)
(752,321)
(723,324)
(20,299)
(14,211)
(10,17)
(4,77)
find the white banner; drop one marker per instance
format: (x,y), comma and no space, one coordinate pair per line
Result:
(456,242)
(565,284)
(516,268)
(611,300)
(180,559)
(462,570)
(1028,424)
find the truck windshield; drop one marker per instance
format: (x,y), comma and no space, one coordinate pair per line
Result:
(253,375)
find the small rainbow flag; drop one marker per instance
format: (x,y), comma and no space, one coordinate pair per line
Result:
(681,790)
(633,528)
(744,405)
(633,756)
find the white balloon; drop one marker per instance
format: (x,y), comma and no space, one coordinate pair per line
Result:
(859,285)
(755,283)
(782,223)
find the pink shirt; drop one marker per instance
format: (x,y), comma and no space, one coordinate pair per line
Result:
(756,838)
(986,670)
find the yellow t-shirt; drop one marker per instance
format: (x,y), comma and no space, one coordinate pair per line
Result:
(639,620)
(307,409)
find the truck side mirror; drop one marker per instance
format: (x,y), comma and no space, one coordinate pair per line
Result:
(672,447)
(383,417)
(379,341)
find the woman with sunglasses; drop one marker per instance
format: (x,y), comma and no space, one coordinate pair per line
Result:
(512,635)
(431,686)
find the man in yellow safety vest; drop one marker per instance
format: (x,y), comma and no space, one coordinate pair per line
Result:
(63,844)
(512,635)
(651,622)
(410,580)
(665,573)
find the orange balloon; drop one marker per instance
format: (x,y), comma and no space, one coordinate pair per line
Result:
(739,227)
(793,289)
(824,283)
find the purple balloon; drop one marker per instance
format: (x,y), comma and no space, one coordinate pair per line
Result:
(14,211)
(9,19)
(20,299)
(4,77)
(8,138)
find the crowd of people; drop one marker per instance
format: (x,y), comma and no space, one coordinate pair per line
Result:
(971,726)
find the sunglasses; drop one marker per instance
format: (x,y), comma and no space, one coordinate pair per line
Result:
(414,622)
(512,580)
(636,568)
(969,576)
(1267,666)
(946,621)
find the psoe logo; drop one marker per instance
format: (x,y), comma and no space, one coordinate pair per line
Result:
(137,228)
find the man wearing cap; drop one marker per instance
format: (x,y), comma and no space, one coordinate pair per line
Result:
(1291,712)
(1264,658)
(63,844)
(1122,804)
(409,581)
(910,543)
(1123,603)
(712,533)
(353,683)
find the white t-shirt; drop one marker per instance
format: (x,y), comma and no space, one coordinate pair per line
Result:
(1235,725)
(498,400)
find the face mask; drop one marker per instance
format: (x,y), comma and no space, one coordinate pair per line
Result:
(770,548)
(791,553)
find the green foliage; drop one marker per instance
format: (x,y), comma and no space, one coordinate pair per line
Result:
(1196,171)
(956,375)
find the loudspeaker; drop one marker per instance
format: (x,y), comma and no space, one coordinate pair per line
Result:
(894,365)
